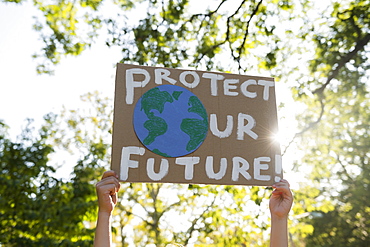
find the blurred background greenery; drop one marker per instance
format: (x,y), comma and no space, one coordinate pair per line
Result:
(319,50)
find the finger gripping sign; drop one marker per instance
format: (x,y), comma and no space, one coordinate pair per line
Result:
(188,126)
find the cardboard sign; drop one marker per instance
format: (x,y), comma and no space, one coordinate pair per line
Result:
(186,126)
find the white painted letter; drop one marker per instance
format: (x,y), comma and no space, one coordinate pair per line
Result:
(214,126)
(189,163)
(187,84)
(131,84)
(211,172)
(258,167)
(163,170)
(162,74)
(214,78)
(266,89)
(244,88)
(228,87)
(247,129)
(237,169)
(126,163)
(278,167)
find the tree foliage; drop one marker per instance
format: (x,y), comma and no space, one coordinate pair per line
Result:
(38,209)
(170,33)
(321,51)
(336,135)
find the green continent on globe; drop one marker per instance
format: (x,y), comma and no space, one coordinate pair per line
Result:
(197,107)
(196,129)
(176,94)
(156,127)
(156,151)
(154,99)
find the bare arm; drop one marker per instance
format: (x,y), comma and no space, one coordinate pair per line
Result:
(280,204)
(106,190)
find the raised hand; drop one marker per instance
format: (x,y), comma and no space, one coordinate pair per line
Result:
(106,190)
(281,199)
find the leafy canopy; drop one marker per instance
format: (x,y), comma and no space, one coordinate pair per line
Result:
(322,51)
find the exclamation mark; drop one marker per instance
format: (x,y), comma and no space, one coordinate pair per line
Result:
(278,167)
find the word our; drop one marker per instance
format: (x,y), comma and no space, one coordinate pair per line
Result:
(242,128)
(230,86)
(240,166)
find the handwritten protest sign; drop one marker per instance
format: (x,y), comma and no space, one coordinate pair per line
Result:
(188,126)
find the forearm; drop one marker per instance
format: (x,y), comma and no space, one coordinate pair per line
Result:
(279,232)
(103,230)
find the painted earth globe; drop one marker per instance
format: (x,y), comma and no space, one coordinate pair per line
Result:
(170,121)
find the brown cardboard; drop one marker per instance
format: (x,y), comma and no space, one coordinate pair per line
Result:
(262,111)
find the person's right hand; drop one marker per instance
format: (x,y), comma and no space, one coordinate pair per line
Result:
(106,190)
(281,199)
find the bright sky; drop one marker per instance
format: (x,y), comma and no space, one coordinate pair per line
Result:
(24,94)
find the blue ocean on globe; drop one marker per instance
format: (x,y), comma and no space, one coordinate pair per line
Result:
(170,121)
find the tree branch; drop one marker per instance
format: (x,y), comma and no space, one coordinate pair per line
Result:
(194,222)
(246,33)
(309,126)
(237,59)
(344,169)
(342,62)
(333,74)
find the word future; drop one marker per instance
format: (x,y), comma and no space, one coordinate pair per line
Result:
(240,166)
